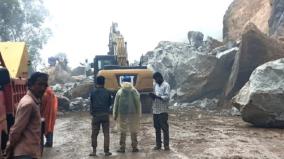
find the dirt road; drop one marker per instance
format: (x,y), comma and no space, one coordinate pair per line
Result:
(193,133)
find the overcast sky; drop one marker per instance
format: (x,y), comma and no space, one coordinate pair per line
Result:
(81,28)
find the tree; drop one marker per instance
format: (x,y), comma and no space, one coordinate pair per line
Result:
(22,20)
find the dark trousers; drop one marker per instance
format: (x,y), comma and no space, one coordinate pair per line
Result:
(49,139)
(98,120)
(161,123)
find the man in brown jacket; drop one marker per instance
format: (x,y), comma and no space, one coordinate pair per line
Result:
(24,138)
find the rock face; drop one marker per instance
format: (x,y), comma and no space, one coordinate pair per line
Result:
(193,73)
(261,100)
(256,49)
(242,12)
(276,21)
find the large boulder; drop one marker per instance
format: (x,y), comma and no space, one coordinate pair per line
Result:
(261,100)
(83,89)
(242,12)
(211,44)
(195,38)
(191,74)
(256,49)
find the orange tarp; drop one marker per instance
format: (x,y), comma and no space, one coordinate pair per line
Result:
(49,109)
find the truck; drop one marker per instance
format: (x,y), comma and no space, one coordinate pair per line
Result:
(115,65)
(13,83)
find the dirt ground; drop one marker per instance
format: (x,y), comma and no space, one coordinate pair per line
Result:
(193,134)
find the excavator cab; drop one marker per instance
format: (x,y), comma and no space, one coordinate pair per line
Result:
(100,61)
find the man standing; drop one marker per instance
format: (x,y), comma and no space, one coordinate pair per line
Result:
(161,97)
(100,107)
(49,107)
(127,113)
(24,138)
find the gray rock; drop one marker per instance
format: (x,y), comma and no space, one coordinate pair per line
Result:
(63,103)
(235,112)
(205,103)
(195,38)
(79,104)
(211,43)
(261,100)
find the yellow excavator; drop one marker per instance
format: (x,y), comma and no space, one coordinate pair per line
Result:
(115,65)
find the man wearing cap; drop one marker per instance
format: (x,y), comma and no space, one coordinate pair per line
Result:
(127,113)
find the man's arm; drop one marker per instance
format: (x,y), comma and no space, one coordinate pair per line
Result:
(22,119)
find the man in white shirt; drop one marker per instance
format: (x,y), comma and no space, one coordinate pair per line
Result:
(161,98)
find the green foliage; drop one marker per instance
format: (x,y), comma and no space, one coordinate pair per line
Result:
(22,20)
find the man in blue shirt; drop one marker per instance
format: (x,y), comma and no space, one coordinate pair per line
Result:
(100,107)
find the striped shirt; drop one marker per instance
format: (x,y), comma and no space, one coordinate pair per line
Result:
(163,91)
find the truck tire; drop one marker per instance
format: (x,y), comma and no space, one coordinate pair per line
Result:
(5,77)
(146,102)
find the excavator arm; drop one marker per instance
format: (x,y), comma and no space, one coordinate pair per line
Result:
(117,46)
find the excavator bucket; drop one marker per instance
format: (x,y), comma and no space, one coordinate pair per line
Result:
(15,57)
